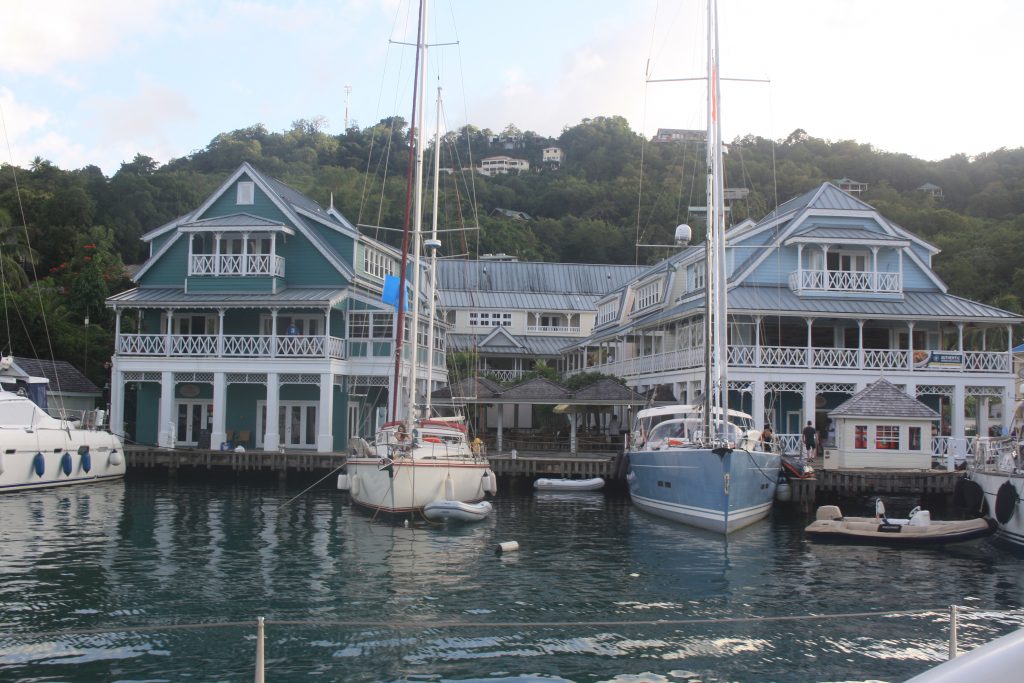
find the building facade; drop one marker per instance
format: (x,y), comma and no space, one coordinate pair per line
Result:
(825,296)
(258,321)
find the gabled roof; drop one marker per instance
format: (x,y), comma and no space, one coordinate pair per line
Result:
(293,204)
(236,222)
(500,338)
(818,235)
(883,399)
(537,388)
(608,389)
(469,388)
(64,377)
(177,297)
(536,346)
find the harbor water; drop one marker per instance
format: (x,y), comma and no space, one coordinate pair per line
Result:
(157,580)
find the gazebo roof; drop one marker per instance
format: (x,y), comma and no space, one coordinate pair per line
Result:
(883,399)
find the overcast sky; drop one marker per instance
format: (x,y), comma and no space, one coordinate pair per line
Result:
(97,81)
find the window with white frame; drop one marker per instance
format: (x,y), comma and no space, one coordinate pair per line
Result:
(377,263)
(606,312)
(479,319)
(246,192)
(370,326)
(698,276)
(648,295)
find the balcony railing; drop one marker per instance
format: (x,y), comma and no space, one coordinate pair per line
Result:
(231,346)
(236,264)
(845,281)
(558,329)
(796,357)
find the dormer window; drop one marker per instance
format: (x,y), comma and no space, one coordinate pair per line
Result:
(698,276)
(648,295)
(246,192)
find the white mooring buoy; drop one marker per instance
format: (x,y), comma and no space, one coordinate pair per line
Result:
(506,547)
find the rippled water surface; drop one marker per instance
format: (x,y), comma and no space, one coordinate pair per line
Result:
(145,581)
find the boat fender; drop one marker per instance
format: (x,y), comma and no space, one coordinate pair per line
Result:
(343,482)
(783,492)
(449,488)
(1006,502)
(86,461)
(355,484)
(39,464)
(492,482)
(115,458)
(506,547)
(65,464)
(968,494)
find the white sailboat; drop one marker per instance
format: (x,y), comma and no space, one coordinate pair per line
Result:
(418,460)
(701,465)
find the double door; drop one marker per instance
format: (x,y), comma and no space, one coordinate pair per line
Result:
(192,419)
(296,424)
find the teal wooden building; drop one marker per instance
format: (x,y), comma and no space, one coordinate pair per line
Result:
(258,321)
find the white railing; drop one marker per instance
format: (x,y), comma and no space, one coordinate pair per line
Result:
(796,357)
(504,375)
(561,329)
(236,264)
(845,281)
(230,345)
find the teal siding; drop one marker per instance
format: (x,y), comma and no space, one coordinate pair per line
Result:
(227,204)
(241,409)
(207,283)
(306,266)
(147,413)
(170,269)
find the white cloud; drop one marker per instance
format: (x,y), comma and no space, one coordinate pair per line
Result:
(42,37)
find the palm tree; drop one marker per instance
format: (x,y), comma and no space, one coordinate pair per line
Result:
(15,253)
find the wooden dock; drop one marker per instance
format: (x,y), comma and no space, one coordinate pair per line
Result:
(282,462)
(548,464)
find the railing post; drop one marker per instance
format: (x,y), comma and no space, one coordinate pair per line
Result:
(259,650)
(952,632)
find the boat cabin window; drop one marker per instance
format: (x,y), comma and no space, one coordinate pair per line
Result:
(887,437)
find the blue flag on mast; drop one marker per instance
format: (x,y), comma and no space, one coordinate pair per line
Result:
(391,289)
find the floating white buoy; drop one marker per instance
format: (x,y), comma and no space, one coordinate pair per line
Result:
(343,482)
(506,547)
(634,575)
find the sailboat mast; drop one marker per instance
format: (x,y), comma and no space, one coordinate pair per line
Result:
(417,220)
(433,244)
(716,381)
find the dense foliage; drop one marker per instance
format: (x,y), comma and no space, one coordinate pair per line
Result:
(613,191)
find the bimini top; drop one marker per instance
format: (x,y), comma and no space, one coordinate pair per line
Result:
(684,409)
(19,412)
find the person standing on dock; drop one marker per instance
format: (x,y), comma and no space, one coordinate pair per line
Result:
(809,434)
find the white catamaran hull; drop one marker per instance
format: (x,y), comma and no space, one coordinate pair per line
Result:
(698,487)
(407,485)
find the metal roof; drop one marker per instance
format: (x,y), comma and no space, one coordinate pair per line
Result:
(532,277)
(528,345)
(159,297)
(517,300)
(236,222)
(825,197)
(851,235)
(883,399)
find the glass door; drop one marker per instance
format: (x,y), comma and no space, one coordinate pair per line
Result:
(192,418)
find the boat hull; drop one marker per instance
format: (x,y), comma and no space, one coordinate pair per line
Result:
(702,488)
(594,484)
(1011,531)
(865,531)
(63,463)
(444,510)
(406,486)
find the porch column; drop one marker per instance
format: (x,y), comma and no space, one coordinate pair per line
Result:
(327,333)
(165,431)
(573,419)
(956,425)
(220,410)
(273,255)
(910,345)
(325,415)
(810,394)
(271,439)
(757,406)
(757,341)
(216,253)
(220,333)
(981,417)
(273,333)
(190,270)
(245,253)
(860,344)
(799,266)
(810,349)
(874,269)
(117,330)
(116,417)
(170,328)
(1009,407)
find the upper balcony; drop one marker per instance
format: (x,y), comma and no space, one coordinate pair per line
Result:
(835,281)
(813,358)
(231,346)
(553,329)
(236,264)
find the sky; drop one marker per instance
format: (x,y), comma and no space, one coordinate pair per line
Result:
(99,81)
